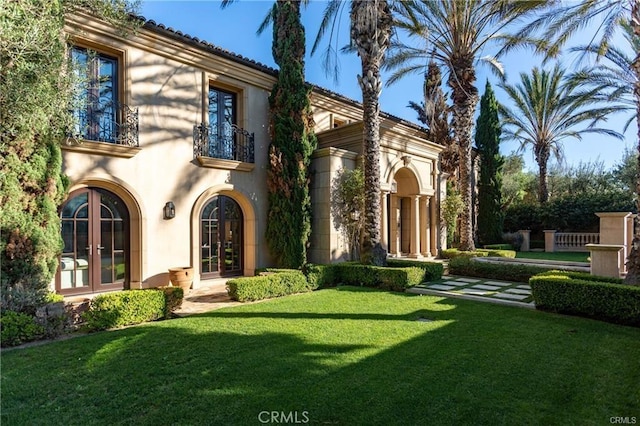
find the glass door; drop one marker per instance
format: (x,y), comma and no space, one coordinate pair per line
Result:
(221,238)
(95,226)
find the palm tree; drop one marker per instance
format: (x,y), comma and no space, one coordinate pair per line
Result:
(370,35)
(455,32)
(547,110)
(561,23)
(612,73)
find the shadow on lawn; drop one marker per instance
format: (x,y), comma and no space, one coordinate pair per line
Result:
(476,364)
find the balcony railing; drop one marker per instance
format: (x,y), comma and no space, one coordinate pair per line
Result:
(228,142)
(106,121)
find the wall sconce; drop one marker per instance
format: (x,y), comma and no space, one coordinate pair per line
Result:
(169,210)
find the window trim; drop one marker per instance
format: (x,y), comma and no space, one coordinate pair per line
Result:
(122,96)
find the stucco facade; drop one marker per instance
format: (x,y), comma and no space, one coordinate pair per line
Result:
(176,84)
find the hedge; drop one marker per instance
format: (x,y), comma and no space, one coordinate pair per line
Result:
(564,292)
(17,328)
(265,286)
(396,279)
(498,247)
(173,297)
(505,271)
(432,270)
(320,276)
(125,308)
(453,253)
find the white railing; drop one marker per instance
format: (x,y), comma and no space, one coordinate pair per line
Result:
(574,241)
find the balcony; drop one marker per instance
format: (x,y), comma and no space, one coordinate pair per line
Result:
(228,147)
(106,121)
(104,127)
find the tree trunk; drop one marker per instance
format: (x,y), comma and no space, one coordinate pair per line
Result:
(462,77)
(633,261)
(543,189)
(370,33)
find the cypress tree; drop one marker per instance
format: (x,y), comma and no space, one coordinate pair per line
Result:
(292,142)
(490,216)
(34,100)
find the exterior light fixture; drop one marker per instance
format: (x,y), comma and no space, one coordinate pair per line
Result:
(169,210)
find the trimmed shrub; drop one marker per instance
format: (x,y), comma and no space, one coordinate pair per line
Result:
(562,292)
(509,272)
(246,289)
(263,271)
(432,270)
(125,308)
(319,276)
(396,279)
(453,253)
(511,254)
(18,328)
(498,247)
(173,297)
(584,276)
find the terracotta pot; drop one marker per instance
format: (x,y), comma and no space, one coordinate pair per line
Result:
(181,277)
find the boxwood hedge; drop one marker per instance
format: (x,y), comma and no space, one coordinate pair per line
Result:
(124,308)
(583,295)
(260,287)
(465,266)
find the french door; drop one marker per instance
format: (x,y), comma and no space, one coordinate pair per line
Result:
(95,229)
(221,238)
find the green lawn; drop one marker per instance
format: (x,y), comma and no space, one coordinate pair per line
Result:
(561,256)
(347,356)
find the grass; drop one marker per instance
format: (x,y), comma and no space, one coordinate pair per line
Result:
(560,256)
(344,356)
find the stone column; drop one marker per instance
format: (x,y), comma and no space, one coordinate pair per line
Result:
(526,239)
(415,227)
(550,241)
(425,243)
(433,226)
(393,226)
(384,221)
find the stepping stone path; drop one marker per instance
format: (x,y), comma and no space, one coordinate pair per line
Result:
(506,292)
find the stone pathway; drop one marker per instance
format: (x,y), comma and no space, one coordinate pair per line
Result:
(209,296)
(487,290)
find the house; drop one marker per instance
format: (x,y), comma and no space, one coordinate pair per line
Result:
(168,162)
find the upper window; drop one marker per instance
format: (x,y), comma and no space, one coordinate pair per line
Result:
(222,118)
(99,115)
(221,143)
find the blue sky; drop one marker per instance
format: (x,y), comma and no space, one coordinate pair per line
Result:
(235,27)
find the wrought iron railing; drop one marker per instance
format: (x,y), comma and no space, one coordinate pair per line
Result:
(106,121)
(227,142)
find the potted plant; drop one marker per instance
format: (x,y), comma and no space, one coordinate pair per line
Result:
(181,277)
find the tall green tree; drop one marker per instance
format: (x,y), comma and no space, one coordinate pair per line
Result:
(35,93)
(370,35)
(292,142)
(547,110)
(560,24)
(488,130)
(434,113)
(456,32)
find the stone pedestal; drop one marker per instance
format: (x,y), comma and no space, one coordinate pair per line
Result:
(617,228)
(550,241)
(607,260)
(526,239)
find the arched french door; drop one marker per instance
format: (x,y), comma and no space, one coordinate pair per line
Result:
(221,238)
(95,232)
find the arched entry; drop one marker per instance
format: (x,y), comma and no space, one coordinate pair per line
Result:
(95,231)
(221,238)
